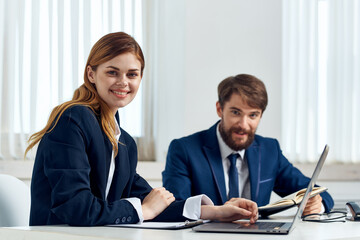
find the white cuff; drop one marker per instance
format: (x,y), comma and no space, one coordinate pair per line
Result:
(322,208)
(192,207)
(137,205)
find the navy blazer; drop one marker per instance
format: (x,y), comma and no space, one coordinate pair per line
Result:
(71,171)
(194,166)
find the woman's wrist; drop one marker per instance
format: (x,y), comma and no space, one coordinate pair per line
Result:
(147,213)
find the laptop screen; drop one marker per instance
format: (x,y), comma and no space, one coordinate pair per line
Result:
(310,186)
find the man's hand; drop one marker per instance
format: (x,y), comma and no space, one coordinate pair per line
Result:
(156,202)
(313,205)
(246,204)
(234,209)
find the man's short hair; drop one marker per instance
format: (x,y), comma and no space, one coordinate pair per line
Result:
(251,89)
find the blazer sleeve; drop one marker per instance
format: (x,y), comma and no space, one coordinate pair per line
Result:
(176,176)
(173,213)
(290,179)
(67,168)
(140,187)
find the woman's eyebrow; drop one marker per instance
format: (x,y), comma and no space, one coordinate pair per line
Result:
(134,70)
(113,67)
(118,69)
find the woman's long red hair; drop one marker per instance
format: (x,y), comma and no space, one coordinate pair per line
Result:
(108,47)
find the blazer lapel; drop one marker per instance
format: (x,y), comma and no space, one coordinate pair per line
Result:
(253,156)
(212,152)
(122,172)
(103,176)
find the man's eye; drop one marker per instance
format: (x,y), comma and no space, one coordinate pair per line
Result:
(235,112)
(254,115)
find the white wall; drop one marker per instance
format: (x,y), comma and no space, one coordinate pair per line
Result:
(171,72)
(201,43)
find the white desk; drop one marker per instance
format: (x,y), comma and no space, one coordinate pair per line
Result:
(304,230)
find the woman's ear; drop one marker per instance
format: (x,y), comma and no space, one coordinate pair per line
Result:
(90,74)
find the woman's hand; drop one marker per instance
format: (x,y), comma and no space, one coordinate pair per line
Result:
(234,209)
(155,202)
(313,205)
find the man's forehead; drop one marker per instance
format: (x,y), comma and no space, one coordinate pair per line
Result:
(238,102)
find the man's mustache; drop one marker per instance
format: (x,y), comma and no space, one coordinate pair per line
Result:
(240,129)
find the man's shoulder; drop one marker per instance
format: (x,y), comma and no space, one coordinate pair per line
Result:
(265,139)
(260,140)
(199,136)
(266,145)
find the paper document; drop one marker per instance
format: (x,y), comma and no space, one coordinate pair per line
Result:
(161,225)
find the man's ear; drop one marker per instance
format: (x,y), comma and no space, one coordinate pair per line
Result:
(90,74)
(218,109)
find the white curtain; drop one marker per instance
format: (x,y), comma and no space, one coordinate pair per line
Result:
(321,79)
(44,45)
(146,144)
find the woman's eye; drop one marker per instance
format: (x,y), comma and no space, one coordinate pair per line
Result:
(133,75)
(112,73)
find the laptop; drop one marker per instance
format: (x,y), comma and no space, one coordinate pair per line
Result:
(269,227)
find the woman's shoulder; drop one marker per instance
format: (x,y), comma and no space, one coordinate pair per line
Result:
(80,114)
(78,120)
(79,110)
(127,138)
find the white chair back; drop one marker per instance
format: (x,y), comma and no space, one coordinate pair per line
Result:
(14,202)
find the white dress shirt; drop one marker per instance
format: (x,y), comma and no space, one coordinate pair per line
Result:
(241,165)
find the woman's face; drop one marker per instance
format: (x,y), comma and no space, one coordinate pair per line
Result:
(117,81)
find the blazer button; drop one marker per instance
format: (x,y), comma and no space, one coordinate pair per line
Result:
(123,219)
(117,221)
(128,219)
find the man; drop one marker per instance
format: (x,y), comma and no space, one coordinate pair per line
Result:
(200,163)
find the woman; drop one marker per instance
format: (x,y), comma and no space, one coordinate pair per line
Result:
(85,165)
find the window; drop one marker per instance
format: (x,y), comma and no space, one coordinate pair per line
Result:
(44,46)
(321,59)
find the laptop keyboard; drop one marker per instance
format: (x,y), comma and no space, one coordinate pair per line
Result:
(262,225)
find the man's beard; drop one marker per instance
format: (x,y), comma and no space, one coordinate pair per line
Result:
(226,136)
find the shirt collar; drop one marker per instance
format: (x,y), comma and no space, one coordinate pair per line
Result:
(225,150)
(117,129)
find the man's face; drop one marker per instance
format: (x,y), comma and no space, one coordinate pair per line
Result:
(238,122)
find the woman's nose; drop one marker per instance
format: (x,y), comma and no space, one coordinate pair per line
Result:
(122,81)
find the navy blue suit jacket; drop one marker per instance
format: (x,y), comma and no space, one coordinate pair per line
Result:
(194,166)
(71,171)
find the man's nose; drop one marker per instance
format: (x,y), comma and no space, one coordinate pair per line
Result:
(242,122)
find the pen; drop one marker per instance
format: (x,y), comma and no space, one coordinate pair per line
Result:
(193,223)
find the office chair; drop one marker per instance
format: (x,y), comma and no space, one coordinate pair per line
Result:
(14,202)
